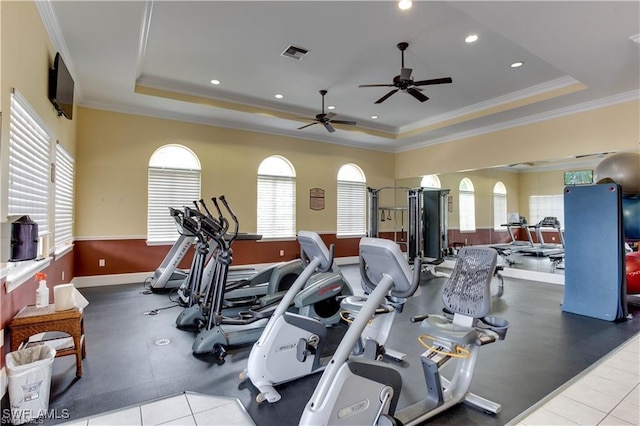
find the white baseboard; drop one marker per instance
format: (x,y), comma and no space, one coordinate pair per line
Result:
(113,279)
(3,382)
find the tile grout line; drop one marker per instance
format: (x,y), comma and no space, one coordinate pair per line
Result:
(589,370)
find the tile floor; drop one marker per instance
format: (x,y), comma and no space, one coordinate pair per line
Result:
(188,408)
(606,394)
(546,349)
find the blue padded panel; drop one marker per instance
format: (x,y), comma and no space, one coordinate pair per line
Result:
(594,252)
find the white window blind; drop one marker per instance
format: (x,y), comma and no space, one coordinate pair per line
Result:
(29,164)
(276,199)
(352,202)
(64,177)
(467,206)
(541,206)
(174,181)
(499,206)
(430,181)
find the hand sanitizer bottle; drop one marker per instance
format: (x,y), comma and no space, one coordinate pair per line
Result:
(42,293)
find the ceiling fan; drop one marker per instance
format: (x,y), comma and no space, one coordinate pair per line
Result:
(405,82)
(327,119)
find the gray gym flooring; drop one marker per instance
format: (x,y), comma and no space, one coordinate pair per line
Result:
(124,366)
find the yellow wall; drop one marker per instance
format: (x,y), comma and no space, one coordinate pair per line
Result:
(613,128)
(26,56)
(113,155)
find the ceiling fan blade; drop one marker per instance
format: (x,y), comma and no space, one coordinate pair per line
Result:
(433,81)
(329,127)
(329,115)
(350,123)
(307,125)
(417,94)
(384,98)
(405,73)
(376,85)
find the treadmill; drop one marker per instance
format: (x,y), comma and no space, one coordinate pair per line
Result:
(542,248)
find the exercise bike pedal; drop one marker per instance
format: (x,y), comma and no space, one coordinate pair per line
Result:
(219,352)
(304,349)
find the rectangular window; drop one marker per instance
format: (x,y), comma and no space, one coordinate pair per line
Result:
(64,176)
(29,165)
(467,211)
(541,206)
(499,212)
(352,200)
(169,188)
(276,206)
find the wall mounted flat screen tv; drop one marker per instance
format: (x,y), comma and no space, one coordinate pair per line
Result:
(61,88)
(578,177)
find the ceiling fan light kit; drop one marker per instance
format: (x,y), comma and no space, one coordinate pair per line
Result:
(327,118)
(404,81)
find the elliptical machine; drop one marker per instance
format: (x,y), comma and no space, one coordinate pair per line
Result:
(357,391)
(292,345)
(259,289)
(223,331)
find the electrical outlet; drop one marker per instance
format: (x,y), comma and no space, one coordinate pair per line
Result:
(101,263)
(281,253)
(553,238)
(62,276)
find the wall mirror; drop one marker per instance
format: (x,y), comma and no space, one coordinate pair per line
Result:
(512,193)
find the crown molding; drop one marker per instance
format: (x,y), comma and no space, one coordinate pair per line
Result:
(52,26)
(230,124)
(535,118)
(539,89)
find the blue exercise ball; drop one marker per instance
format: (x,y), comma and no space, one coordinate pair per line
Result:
(631,217)
(622,168)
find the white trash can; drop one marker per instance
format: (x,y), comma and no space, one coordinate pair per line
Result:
(29,374)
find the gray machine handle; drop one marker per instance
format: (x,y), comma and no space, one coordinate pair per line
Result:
(327,268)
(415,282)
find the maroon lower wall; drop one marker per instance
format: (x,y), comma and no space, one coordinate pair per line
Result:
(25,295)
(130,256)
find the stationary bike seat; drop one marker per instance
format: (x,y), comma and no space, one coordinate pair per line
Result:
(443,329)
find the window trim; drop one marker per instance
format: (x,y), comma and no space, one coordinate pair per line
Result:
(343,184)
(168,180)
(276,177)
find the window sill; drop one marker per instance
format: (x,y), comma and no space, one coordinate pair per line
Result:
(64,250)
(340,237)
(18,274)
(160,243)
(267,240)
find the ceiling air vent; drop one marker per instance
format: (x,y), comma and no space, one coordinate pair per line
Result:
(295,52)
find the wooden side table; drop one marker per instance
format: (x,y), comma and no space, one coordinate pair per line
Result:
(33,320)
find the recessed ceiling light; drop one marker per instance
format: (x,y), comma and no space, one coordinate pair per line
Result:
(279,96)
(471,38)
(215,82)
(405,4)
(331,107)
(517,64)
(374,117)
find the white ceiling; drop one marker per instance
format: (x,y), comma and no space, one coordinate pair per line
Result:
(157,58)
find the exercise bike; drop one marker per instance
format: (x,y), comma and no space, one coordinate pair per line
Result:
(292,345)
(353,390)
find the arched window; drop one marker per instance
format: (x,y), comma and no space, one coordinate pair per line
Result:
(499,206)
(467,205)
(352,201)
(174,181)
(430,181)
(276,198)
